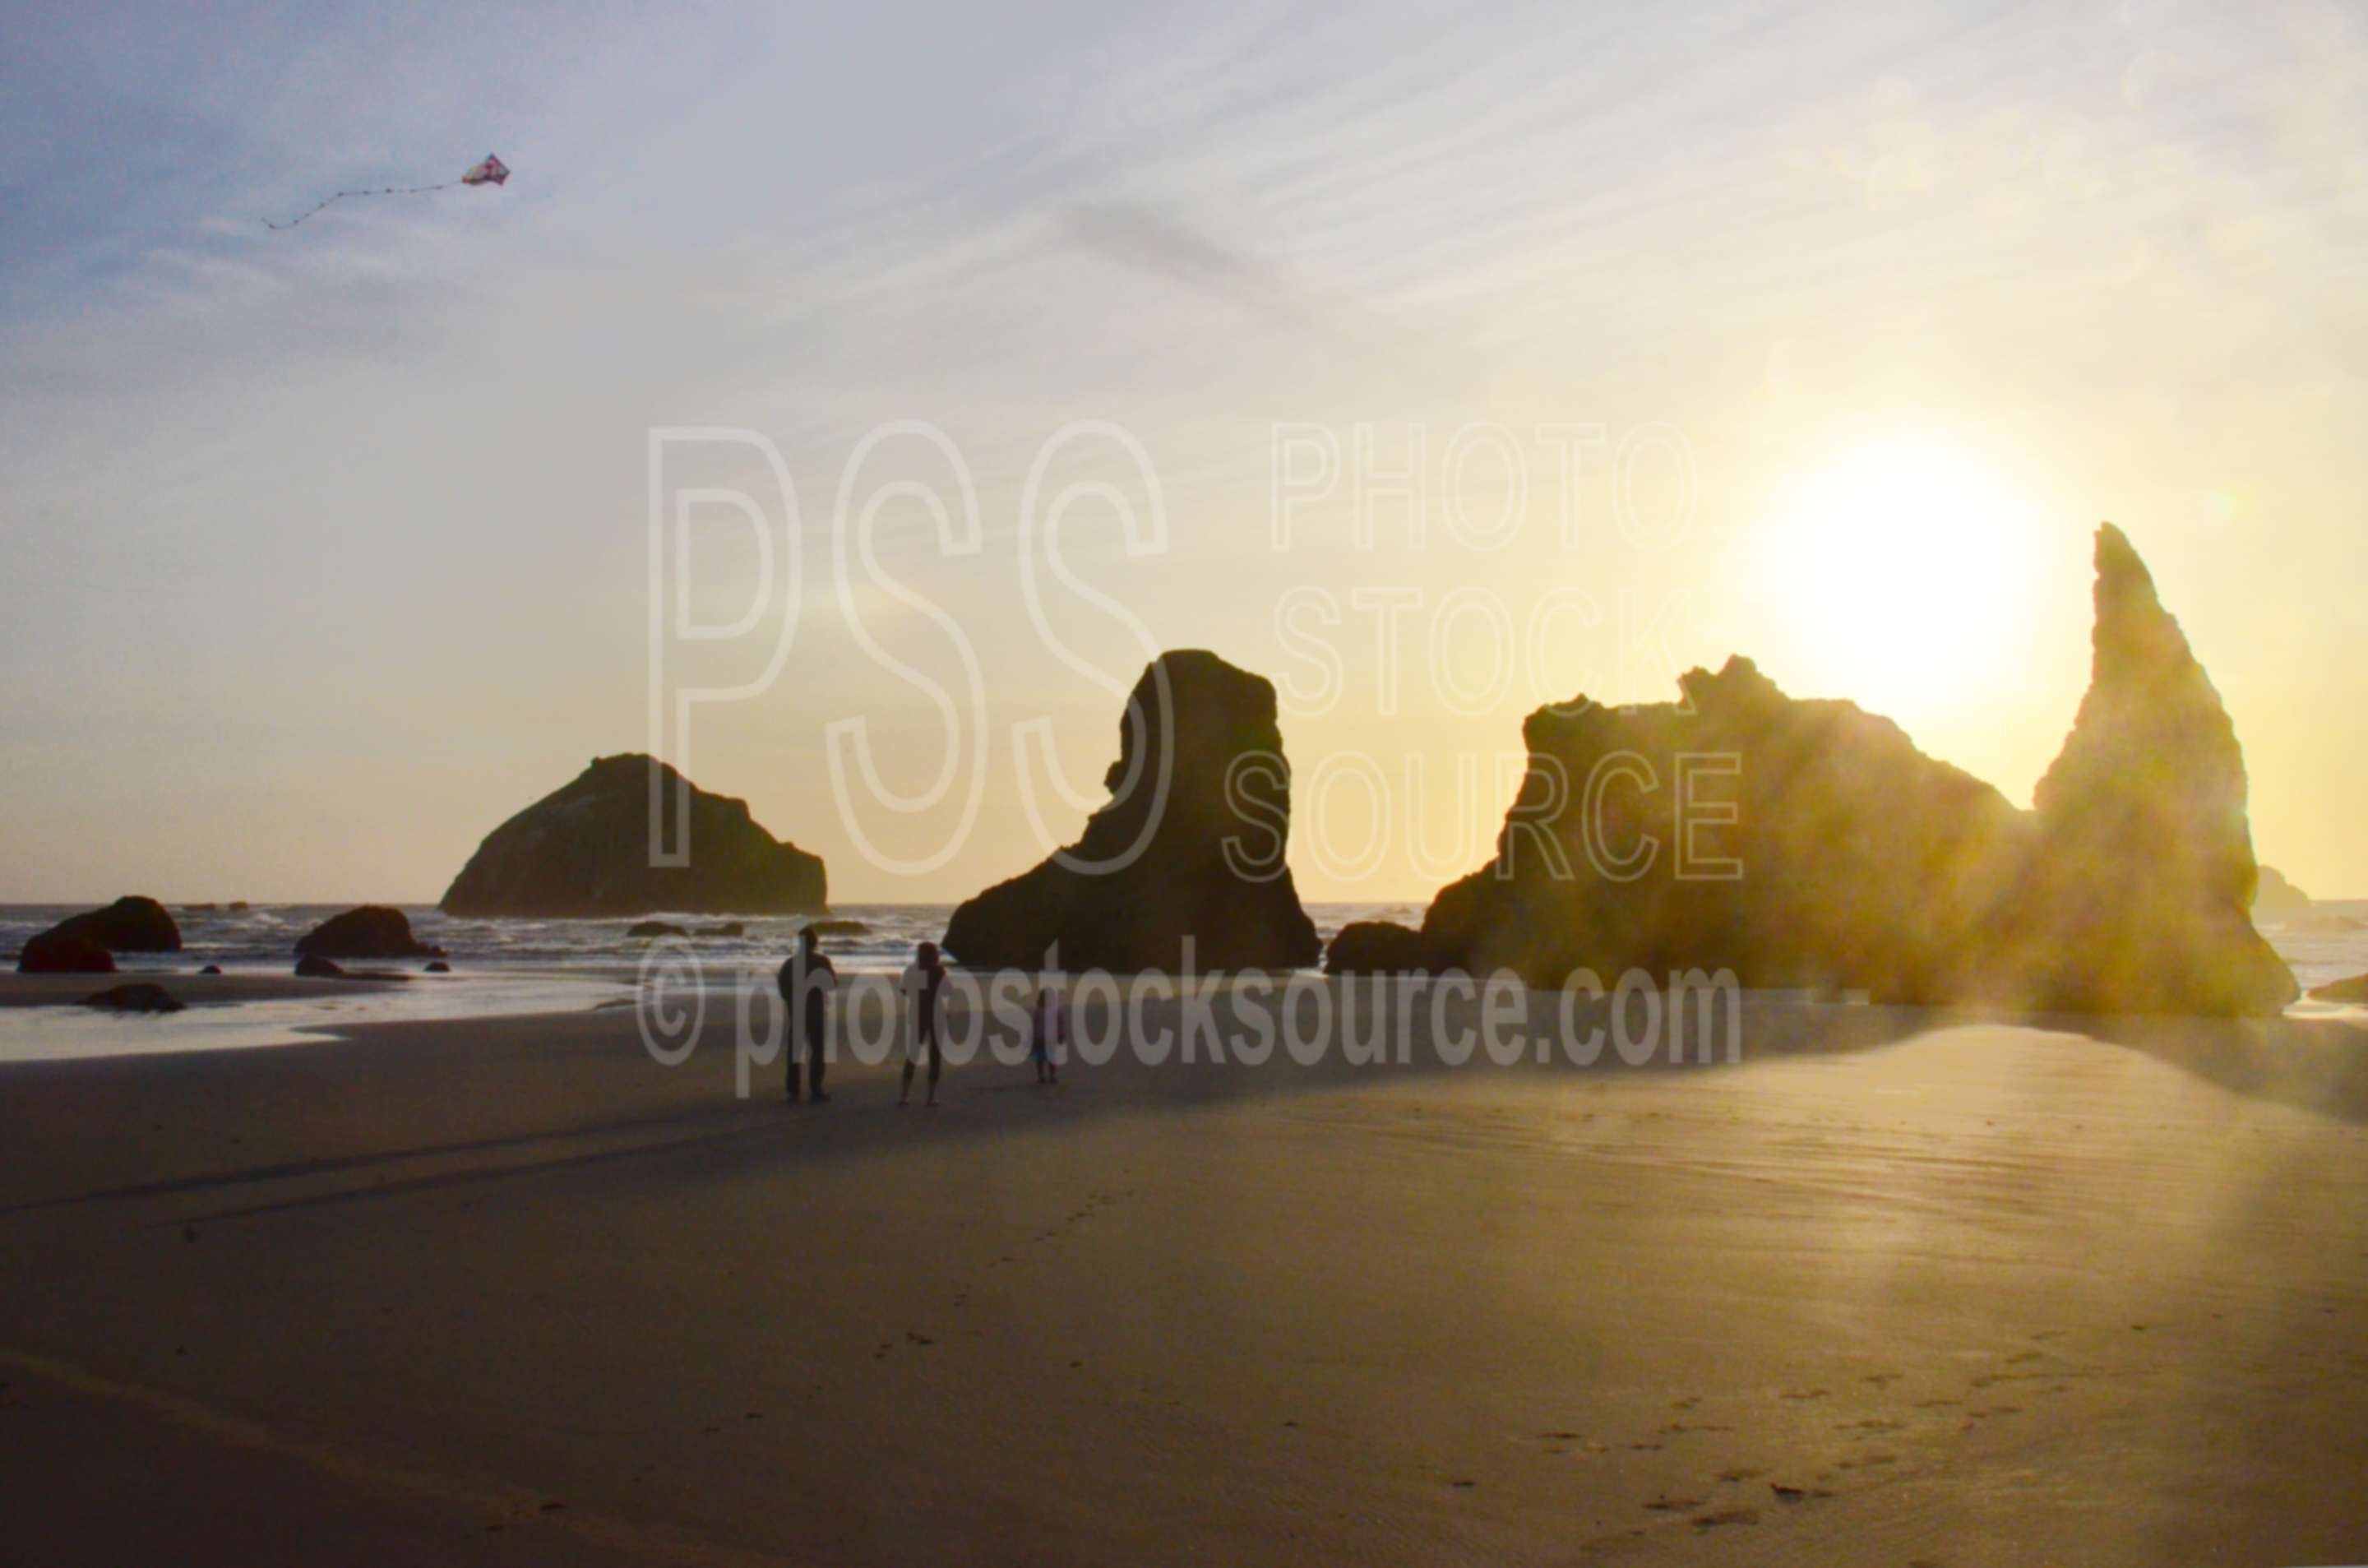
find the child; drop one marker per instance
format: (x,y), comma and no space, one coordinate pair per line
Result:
(1048,1027)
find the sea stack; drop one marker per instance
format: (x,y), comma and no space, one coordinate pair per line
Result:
(585,849)
(2139,893)
(1805,843)
(1799,843)
(1189,846)
(2277,901)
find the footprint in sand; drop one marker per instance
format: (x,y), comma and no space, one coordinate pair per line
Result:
(1726,1517)
(1800,1393)
(1673,1505)
(1797,1493)
(1738,1474)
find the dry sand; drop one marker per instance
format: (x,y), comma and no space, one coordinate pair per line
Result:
(510,1293)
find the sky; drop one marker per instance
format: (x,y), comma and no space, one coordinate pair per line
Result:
(1435,360)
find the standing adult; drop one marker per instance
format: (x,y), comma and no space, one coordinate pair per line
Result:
(924,989)
(806,981)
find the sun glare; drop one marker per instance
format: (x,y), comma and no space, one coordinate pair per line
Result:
(1899,570)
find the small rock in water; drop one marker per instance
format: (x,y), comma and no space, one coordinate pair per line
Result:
(370,931)
(438,967)
(210,968)
(313,967)
(2352,989)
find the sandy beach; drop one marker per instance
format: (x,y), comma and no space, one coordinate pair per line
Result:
(1899,1289)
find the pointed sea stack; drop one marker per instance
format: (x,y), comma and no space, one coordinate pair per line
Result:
(1190,845)
(585,850)
(2138,896)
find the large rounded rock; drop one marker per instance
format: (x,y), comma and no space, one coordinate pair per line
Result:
(52,953)
(128,925)
(372,931)
(587,849)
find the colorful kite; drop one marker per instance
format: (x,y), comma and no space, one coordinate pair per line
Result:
(492,171)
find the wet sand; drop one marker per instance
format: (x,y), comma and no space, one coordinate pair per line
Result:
(195,989)
(1900,1289)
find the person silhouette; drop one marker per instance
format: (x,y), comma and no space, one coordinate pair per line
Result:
(806,980)
(923,984)
(1047,1028)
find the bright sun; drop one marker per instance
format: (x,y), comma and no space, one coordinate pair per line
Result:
(1900,570)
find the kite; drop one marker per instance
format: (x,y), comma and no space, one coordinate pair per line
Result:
(491,171)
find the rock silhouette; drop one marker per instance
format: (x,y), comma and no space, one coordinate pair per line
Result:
(128,925)
(584,849)
(311,966)
(1380,947)
(2139,894)
(2352,989)
(371,931)
(141,997)
(2277,900)
(1808,842)
(1822,849)
(51,953)
(1190,844)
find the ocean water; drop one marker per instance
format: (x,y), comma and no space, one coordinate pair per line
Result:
(262,938)
(2330,945)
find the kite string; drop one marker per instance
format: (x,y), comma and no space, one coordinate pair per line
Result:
(382,190)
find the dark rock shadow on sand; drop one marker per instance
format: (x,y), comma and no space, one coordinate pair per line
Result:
(2310,1063)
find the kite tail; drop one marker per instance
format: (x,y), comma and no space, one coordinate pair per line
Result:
(382,190)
